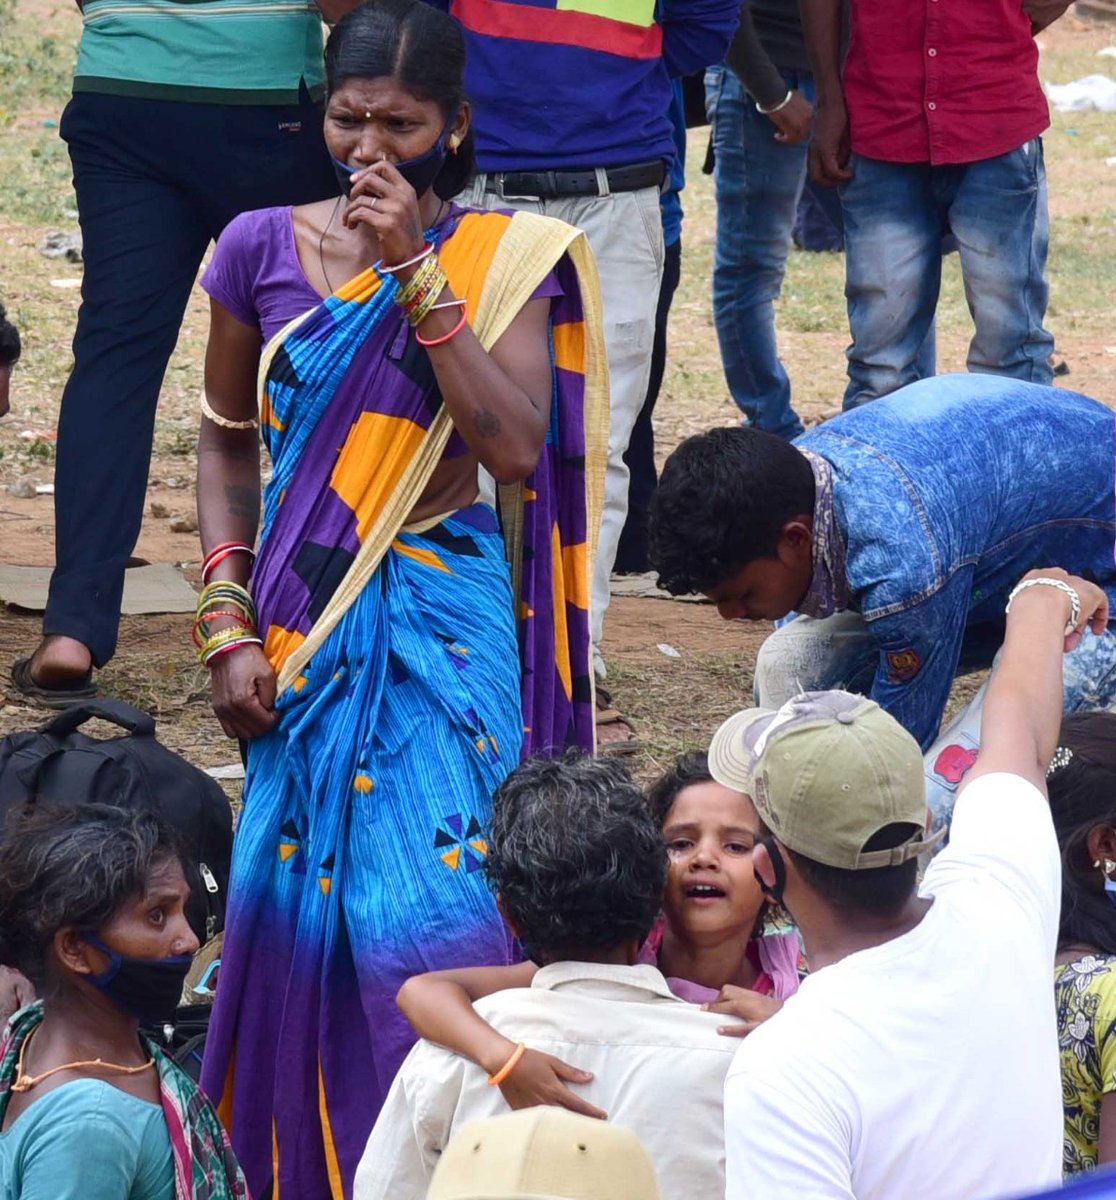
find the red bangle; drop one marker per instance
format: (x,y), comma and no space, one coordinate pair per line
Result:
(441,341)
(219,553)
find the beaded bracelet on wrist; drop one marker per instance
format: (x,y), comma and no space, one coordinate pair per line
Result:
(1062,586)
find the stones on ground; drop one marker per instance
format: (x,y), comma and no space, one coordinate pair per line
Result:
(60,244)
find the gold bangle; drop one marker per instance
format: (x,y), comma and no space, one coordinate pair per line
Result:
(225,422)
(234,633)
(508,1067)
(420,308)
(407,293)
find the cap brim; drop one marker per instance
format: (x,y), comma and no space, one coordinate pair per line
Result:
(730,762)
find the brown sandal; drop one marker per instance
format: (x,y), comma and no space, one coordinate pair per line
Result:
(58,696)
(607,717)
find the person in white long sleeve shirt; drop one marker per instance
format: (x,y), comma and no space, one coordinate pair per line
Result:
(920,1057)
(579,865)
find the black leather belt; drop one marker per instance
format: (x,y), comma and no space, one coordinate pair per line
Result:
(576,181)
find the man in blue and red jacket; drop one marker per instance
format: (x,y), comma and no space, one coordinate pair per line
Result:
(571,114)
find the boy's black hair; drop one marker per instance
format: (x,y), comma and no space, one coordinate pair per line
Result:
(575,856)
(722,501)
(10,346)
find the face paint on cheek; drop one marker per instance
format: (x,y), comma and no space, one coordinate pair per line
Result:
(774,892)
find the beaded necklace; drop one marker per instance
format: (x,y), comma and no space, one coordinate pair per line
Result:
(24,1083)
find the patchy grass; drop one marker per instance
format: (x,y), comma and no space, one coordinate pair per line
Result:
(675,703)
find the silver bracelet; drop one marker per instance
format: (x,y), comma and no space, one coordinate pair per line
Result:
(1062,586)
(775,107)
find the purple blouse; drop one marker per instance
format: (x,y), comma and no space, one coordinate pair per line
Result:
(256,274)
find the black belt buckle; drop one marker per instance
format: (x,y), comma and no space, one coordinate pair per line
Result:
(577,181)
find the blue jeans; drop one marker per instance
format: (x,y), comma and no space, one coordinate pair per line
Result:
(156,181)
(895,218)
(758,182)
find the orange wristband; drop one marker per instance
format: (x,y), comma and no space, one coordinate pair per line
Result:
(508,1067)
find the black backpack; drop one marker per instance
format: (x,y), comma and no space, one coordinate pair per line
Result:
(57,764)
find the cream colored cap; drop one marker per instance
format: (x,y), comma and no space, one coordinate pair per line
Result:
(544,1154)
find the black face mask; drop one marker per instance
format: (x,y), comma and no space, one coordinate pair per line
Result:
(774,894)
(147,988)
(420,171)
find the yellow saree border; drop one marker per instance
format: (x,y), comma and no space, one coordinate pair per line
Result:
(530,246)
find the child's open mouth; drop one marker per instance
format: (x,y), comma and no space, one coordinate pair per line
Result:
(704,891)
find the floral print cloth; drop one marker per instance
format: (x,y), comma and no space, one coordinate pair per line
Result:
(1085,994)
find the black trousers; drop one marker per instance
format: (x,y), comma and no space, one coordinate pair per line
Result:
(156,181)
(631,557)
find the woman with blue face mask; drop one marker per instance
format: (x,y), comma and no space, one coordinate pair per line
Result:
(1081,783)
(390,646)
(92,911)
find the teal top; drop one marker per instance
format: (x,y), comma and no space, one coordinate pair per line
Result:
(205,51)
(87,1140)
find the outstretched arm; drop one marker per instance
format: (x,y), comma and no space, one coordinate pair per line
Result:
(1023,709)
(439,1006)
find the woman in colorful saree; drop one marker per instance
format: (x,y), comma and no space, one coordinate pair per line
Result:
(414,645)
(92,911)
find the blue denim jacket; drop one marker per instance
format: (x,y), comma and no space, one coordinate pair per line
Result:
(947,492)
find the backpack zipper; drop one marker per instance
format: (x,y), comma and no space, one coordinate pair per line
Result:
(211,887)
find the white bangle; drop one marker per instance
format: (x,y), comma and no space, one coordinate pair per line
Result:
(1062,586)
(776,107)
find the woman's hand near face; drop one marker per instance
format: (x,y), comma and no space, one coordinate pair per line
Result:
(383,203)
(744,1005)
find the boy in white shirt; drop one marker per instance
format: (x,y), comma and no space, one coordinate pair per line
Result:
(920,1058)
(578,864)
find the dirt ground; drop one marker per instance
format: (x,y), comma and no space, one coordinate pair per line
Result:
(675,699)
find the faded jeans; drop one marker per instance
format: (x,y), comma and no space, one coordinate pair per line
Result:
(625,231)
(758,183)
(895,217)
(839,652)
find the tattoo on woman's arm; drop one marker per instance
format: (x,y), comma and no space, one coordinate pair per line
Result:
(487,424)
(242,501)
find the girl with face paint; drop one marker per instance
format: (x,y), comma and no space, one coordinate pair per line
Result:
(92,911)
(717,943)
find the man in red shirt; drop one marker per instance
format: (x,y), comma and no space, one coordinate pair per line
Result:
(935,127)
